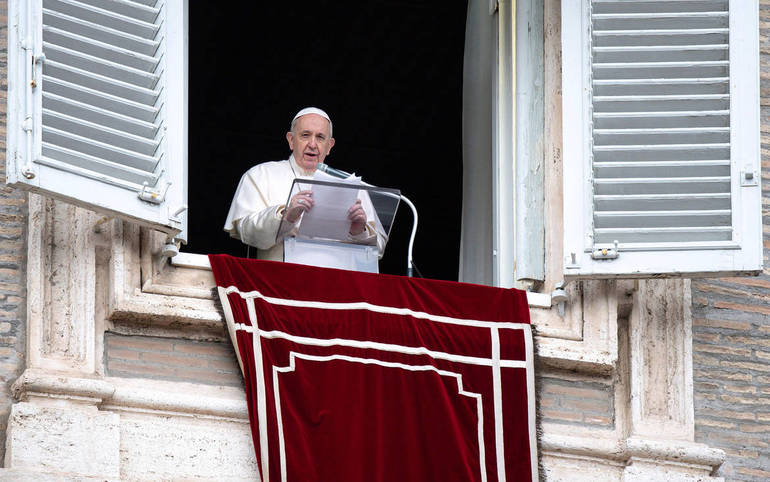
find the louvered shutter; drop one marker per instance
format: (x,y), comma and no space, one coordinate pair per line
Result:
(661,137)
(97,105)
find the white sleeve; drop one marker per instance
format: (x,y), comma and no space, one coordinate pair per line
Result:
(260,228)
(252,218)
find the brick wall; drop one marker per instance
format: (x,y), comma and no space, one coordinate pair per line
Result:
(585,402)
(13,215)
(171,359)
(731,339)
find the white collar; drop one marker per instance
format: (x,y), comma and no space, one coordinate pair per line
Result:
(298,169)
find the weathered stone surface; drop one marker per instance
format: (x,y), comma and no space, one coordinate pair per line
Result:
(155,448)
(82,442)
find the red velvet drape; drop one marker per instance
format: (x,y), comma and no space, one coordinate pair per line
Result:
(365,377)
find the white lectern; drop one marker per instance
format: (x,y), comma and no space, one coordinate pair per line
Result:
(321,237)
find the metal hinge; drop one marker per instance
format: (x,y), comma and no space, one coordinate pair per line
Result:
(154,196)
(493,6)
(605,251)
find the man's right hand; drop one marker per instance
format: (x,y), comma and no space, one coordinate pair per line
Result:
(299,203)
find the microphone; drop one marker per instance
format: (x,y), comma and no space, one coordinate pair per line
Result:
(409,258)
(332,171)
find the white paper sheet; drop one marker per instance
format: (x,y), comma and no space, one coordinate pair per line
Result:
(329,216)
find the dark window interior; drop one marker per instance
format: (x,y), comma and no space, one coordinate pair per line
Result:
(388,72)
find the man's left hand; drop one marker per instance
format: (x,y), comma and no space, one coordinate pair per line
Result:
(357,217)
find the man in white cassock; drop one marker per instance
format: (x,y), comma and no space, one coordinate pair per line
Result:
(260,200)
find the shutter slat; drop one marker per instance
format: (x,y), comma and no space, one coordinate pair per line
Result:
(648,169)
(660,21)
(55,103)
(684,152)
(691,135)
(100,133)
(655,70)
(106,18)
(661,219)
(99,66)
(661,202)
(663,235)
(684,86)
(666,53)
(100,33)
(62,158)
(145,13)
(99,49)
(660,6)
(638,120)
(117,105)
(100,84)
(149,3)
(661,185)
(609,38)
(94,148)
(653,103)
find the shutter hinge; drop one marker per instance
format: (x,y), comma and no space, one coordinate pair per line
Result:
(153,195)
(605,251)
(493,6)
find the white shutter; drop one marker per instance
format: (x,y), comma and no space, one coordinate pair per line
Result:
(97,105)
(661,137)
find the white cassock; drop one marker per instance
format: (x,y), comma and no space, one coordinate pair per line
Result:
(258,205)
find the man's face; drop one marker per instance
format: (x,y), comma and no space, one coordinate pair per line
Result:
(310,141)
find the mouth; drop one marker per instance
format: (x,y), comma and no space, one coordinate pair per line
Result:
(311,155)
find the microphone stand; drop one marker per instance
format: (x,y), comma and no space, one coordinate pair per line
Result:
(409,259)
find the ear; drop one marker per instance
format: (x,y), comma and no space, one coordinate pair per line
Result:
(331,144)
(290,140)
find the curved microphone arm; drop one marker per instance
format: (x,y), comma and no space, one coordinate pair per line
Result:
(342,174)
(409,261)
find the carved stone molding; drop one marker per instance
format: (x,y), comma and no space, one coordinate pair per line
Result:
(149,296)
(585,338)
(60,286)
(660,336)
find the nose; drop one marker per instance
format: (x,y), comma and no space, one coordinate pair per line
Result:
(313,142)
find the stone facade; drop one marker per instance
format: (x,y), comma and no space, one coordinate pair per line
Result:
(13,217)
(116,365)
(731,339)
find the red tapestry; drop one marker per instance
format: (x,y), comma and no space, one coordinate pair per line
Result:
(367,377)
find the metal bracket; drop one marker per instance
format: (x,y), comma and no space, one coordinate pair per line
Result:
(571,263)
(609,251)
(174,216)
(153,195)
(559,297)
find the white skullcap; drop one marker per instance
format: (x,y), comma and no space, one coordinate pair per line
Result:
(312,110)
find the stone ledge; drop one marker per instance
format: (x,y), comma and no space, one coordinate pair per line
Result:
(700,456)
(34,381)
(675,451)
(570,355)
(41,475)
(126,394)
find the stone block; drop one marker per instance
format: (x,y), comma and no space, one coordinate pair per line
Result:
(182,448)
(72,441)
